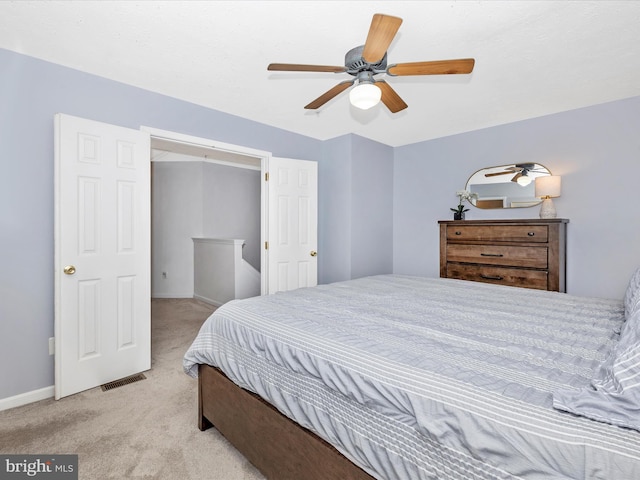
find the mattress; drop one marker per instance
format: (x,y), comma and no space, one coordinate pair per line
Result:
(420,378)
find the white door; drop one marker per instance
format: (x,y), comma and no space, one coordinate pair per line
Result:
(102,254)
(292,236)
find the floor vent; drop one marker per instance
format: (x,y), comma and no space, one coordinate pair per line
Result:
(122,382)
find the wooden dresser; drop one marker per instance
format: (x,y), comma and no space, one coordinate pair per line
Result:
(522,253)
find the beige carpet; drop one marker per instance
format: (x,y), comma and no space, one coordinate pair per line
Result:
(144,430)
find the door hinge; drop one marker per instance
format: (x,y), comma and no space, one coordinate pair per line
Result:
(266,245)
(266,176)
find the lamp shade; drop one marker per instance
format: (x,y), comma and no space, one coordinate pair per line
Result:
(365,95)
(548,186)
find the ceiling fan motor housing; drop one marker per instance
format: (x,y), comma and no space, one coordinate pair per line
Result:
(355,64)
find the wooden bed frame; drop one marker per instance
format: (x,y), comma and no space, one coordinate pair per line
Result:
(280,448)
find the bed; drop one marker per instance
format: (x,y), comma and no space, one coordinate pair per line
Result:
(404,377)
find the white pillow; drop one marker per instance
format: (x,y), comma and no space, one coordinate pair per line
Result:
(632,295)
(620,373)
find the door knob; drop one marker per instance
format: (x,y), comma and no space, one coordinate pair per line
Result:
(313,253)
(69,270)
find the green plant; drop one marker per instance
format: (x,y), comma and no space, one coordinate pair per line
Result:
(463,195)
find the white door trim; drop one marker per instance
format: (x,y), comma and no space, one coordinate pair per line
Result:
(175,137)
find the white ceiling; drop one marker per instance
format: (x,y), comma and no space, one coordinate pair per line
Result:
(532,57)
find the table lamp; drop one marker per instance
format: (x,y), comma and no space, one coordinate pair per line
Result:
(547,187)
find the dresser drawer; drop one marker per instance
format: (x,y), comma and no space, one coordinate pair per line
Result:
(498,233)
(514,277)
(514,256)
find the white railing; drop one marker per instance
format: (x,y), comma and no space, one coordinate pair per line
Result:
(220,272)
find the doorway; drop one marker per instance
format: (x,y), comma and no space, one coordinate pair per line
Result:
(197,192)
(200,188)
(288,207)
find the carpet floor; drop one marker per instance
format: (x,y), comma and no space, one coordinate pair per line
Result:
(143,430)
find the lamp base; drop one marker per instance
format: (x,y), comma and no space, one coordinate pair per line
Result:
(547,210)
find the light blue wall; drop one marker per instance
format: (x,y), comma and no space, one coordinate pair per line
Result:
(334,186)
(371,208)
(356,184)
(595,149)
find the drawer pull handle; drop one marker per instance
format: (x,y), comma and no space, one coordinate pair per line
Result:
(490,277)
(531,234)
(458,233)
(491,255)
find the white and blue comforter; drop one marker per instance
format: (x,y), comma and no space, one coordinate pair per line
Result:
(417,378)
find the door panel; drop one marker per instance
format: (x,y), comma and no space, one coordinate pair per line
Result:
(292,232)
(102,229)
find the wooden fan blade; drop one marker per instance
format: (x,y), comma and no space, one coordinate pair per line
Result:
(438,67)
(294,67)
(516,177)
(390,98)
(497,173)
(381,32)
(325,97)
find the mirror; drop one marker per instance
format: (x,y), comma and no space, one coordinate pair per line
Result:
(506,186)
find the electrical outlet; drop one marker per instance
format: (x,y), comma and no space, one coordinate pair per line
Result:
(52,345)
(164,275)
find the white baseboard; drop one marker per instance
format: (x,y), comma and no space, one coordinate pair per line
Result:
(26,398)
(210,301)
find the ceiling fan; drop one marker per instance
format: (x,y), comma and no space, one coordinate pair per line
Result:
(368,60)
(521,170)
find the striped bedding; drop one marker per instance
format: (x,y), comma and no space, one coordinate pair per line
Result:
(419,378)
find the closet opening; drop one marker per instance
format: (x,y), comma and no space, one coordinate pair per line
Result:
(206,204)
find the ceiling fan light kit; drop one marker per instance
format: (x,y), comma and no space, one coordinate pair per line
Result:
(524,179)
(370,59)
(366,94)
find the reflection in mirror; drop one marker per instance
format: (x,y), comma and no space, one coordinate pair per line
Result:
(506,186)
